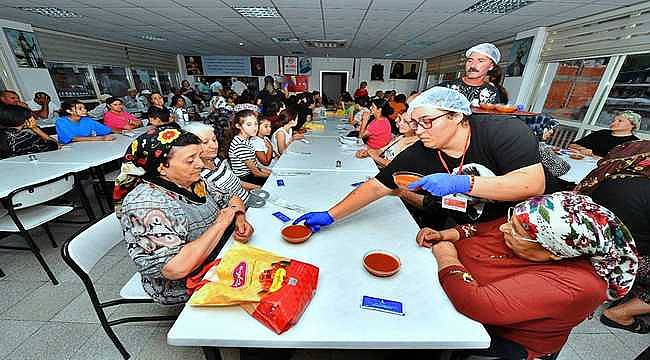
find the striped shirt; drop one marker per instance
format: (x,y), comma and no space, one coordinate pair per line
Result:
(240,151)
(14,142)
(224,180)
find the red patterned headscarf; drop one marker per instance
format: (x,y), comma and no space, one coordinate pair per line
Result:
(571,225)
(144,159)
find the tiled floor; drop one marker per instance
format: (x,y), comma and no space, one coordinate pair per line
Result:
(42,321)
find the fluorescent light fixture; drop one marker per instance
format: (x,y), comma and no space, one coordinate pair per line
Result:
(389,54)
(241,44)
(152,37)
(285,39)
(51,12)
(496,7)
(325,44)
(258,12)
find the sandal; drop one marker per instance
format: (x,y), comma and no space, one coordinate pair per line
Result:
(638,326)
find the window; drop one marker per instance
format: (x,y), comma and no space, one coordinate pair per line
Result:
(164,78)
(144,79)
(450,76)
(573,87)
(433,80)
(72,81)
(111,80)
(631,91)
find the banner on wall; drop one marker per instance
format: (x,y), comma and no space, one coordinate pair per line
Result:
(25,48)
(304,66)
(218,65)
(296,83)
(290,65)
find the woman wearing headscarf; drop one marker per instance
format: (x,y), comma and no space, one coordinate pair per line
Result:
(532,278)
(172,225)
(621,182)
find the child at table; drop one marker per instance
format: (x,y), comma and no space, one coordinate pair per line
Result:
(19,134)
(118,119)
(75,125)
(241,153)
(262,144)
(284,135)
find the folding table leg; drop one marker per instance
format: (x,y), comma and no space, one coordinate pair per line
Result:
(102,182)
(211,353)
(49,235)
(84,200)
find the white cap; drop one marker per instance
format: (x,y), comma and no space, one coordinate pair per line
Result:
(486,49)
(442,98)
(145,92)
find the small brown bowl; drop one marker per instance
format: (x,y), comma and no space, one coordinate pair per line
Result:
(577,156)
(404,178)
(381,263)
(487,106)
(505,108)
(296,234)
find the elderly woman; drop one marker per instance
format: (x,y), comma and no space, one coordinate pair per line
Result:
(172,225)
(503,153)
(217,172)
(600,142)
(534,277)
(622,184)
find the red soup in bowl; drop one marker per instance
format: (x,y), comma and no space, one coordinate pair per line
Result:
(296,234)
(381,263)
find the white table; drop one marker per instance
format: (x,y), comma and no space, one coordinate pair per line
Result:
(17,175)
(322,153)
(333,127)
(579,168)
(334,318)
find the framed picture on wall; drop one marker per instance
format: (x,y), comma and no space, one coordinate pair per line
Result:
(25,48)
(407,70)
(304,66)
(257,66)
(519,55)
(193,65)
(290,65)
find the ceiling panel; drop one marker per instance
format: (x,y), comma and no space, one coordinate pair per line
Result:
(346,4)
(395,5)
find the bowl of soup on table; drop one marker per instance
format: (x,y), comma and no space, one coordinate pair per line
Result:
(381,263)
(296,234)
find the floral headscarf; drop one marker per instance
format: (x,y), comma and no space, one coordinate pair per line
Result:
(240,107)
(571,225)
(539,123)
(630,159)
(144,160)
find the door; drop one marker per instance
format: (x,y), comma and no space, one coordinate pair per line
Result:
(332,85)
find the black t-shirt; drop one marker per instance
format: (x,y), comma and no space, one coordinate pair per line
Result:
(499,145)
(602,141)
(629,199)
(486,93)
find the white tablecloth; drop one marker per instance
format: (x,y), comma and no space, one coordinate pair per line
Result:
(579,168)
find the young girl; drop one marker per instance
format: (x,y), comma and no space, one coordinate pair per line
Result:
(75,125)
(262,144)
(377,132)
(118,119)
(242,154)
(385,155)
(284,135)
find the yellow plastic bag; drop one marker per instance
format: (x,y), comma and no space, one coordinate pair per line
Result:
(239,277)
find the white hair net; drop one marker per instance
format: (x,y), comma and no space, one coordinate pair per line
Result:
(486,49)
(442,98)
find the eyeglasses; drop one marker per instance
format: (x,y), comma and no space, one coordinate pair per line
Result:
(425,121)
(511,211)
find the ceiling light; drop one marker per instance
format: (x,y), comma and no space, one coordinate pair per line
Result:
(389,54)
(285,39)
(152,37)
(241,44)
(258,12)
(496,7)
(325,43)
(51,12)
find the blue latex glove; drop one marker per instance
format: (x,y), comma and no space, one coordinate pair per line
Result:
(442,184)
(316,220)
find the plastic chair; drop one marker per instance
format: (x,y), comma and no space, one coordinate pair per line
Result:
(83,251)
(26,210)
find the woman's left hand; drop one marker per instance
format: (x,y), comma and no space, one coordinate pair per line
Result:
(363,153)
(243,230)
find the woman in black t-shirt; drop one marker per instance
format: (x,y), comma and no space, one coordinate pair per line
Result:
(451,141)
(600,142)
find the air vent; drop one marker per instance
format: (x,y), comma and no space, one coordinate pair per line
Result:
(285,40)
(496,7)
(325,44)
(258,12)
(51,12)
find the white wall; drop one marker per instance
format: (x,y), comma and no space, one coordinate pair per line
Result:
(28,80)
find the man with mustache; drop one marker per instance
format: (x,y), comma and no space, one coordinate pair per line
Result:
(475,84)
